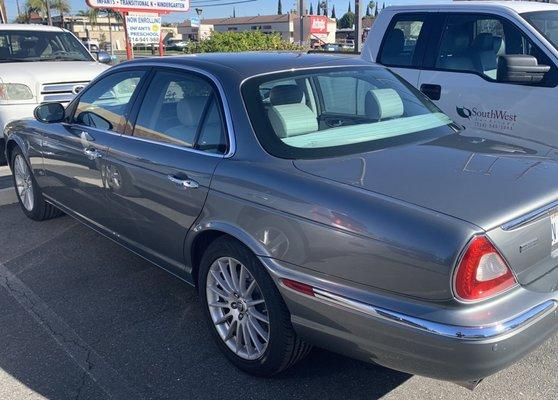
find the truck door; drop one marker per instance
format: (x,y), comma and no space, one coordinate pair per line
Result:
(404,44)
(463,65)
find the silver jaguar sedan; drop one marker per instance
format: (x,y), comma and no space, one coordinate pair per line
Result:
(312,200)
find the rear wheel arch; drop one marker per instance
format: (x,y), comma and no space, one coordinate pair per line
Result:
(202,240)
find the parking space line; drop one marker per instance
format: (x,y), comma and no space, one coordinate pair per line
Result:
(87,359)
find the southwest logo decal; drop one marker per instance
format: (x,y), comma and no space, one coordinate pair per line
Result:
(493,119)
(463,112)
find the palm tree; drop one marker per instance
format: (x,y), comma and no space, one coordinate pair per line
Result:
(117,17)
(63,7)
(40,7)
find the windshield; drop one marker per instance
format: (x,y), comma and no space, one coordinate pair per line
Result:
(334,111)
(28,46)
(546,22)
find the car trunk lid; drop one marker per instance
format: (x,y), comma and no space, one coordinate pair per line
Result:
(481,181)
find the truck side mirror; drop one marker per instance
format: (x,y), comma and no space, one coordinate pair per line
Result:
(103,57)
(520,68)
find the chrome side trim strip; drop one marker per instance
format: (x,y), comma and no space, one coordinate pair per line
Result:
(451,331)
(529,217)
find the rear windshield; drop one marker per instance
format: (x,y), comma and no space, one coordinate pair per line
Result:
(31,46)
(337,111)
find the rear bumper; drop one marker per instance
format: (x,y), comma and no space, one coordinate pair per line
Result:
(400,341)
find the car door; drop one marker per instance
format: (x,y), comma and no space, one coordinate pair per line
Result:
(404,44)
(464,66)
(74,151)
(161,171)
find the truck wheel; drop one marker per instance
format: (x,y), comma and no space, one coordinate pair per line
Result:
(246,313)
(28,192)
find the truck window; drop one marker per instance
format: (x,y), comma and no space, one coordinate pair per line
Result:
(473,43)
(400,43)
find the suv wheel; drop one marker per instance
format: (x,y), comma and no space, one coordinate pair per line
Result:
(28,193)
(247,316)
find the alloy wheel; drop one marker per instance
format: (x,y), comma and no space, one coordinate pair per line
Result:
(237,308)
(24,183)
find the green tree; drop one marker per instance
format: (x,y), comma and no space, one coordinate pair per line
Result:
(63,7)
(349,9)
(279,7)
(311,8)
(333,12)
(230,42)
(347,20)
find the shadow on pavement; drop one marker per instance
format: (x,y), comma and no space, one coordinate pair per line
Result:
(83,318)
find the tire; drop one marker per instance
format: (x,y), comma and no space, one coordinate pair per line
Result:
(28,193)
(283,348)
(3,160)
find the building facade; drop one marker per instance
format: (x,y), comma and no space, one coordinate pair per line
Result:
(315,28)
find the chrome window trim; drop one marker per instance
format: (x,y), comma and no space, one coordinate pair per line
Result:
(529,217)
(224,102)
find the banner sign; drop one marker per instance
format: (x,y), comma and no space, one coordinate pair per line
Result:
(195,22)
(145,29)
(318,25)
(159,6)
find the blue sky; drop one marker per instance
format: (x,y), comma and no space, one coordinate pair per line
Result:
(261,7)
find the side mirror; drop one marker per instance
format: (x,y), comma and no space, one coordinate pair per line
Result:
(520,68)
(50,113)
(103,57)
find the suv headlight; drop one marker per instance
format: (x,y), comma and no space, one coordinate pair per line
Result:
(15,91)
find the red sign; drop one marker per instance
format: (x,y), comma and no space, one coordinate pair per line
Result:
(318,24)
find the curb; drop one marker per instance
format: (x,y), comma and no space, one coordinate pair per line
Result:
(7,196)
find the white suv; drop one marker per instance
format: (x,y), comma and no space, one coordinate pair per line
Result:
(40,64)
(492,66)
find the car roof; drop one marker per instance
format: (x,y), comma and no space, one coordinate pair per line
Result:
(517,6)
(30,27)
(248,64)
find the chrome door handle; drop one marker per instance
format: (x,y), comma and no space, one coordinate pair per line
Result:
(185,183)
(92,154)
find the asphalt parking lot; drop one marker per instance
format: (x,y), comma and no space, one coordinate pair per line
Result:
(81,318)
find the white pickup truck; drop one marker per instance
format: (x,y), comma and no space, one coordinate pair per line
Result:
(38,64)
(488,65)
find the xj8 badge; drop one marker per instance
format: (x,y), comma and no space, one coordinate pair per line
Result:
(493,119)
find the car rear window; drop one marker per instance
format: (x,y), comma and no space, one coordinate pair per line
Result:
(328,112)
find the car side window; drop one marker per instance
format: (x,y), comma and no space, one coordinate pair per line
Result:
(103,105)
(474,43)
(399,48)
(183,110)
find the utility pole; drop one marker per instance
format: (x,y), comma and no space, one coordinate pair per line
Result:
(358,27)
(301,20)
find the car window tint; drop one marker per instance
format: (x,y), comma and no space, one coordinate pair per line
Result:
(474,43)
(177,109)
(104,104)
(401,41)
(212,135)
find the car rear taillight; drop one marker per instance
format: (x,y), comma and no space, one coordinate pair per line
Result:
(482,272)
